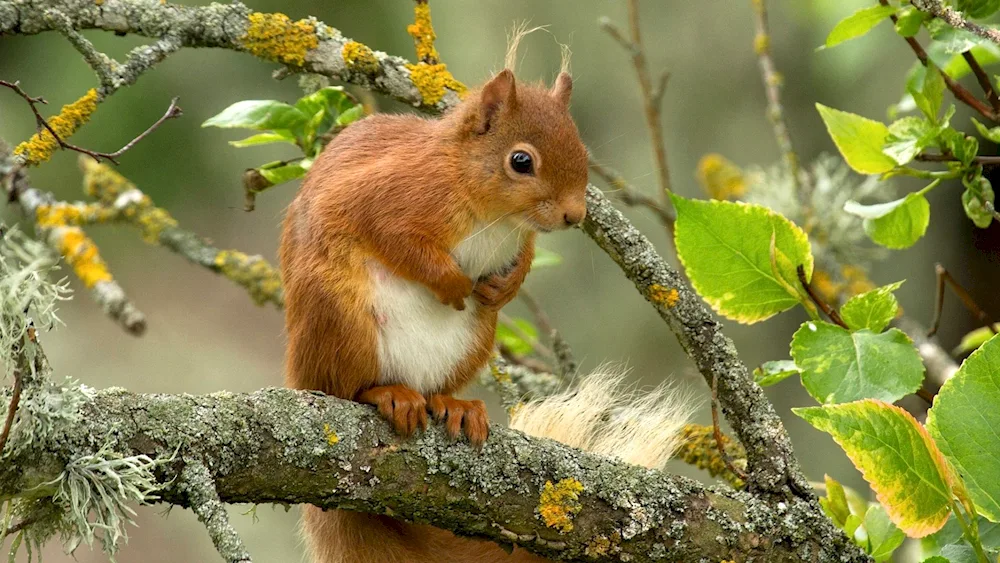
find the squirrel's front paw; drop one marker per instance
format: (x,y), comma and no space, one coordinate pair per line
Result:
(459,416)
(494,292)
(454,291)
(403,407)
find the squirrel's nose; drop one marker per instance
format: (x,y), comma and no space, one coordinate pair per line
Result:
(574,216)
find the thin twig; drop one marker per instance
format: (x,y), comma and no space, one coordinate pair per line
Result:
(959,91)
(172,111)
(720,442)
(630,195)
(533,341)
(982,160)
(937,9)
(823,306)
(945,277)
(12,409)
(983,79)
(652,95)
(563,352)
(773,81)
(528,362)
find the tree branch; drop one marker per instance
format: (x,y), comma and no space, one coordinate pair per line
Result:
(279,445)
(937,9)
(196,482)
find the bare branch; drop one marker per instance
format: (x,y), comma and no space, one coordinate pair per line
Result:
(632,196)
(938,9)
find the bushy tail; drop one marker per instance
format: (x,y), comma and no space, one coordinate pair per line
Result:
(603,416)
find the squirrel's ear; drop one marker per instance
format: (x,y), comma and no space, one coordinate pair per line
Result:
(495,94)
(563,87)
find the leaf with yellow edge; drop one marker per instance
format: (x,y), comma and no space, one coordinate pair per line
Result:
(741,258)
(859,139)
(897,457)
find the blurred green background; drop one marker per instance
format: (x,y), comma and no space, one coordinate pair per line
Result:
(206,335)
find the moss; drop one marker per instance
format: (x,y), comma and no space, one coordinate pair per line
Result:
(81,254)
(660,295)
(359,57)
(720,178)
(252,272)
(41,145)
(432,80)
(276,37)
(559,503)
(423,33)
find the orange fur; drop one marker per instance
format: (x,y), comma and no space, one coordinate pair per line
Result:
(403,198)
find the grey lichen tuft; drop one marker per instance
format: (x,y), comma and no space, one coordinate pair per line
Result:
(95,492)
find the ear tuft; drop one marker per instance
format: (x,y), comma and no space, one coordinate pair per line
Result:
(563,87)
(499,91)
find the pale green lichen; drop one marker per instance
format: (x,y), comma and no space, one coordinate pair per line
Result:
(276,37)
(359,57)
(559,503)
(41,145)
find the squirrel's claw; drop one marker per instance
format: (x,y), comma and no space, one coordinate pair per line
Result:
(459,416)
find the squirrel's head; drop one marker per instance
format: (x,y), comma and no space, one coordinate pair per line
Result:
(525,157)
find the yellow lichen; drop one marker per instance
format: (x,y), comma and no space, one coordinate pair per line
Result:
(432,80)
(423,34)
(359,57)
(660,295)
(41,145)
(857,280)
(107,185)
(699,448)
(331,436)
(102,182)
(598,547)
(69,214)
(720,178)
(276,37)
(761,43)
(828,289)
(81,254)
(252,272)
(559,503)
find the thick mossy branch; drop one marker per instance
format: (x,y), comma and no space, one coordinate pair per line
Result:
(304,45)
(274,446)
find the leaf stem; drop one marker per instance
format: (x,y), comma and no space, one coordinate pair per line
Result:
(971,532)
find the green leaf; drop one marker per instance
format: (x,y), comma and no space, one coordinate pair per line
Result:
(350,116)
(986,54)
(840,366)
(977,9)
(544,258)
(975,339)
(931,94)
(909,20)
(897,458)
(950,39)
(964,422)
(873,310)
(859,140)
(258,114)
(935,559)
(883,536)
(726,249)
(264,139)
(908,137)
(835,503)
(858,24)
(903,225)
(991,134)
(773,372)
(512,340)
(978,192)
(279,174)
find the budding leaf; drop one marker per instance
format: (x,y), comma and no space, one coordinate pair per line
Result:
(859,140)
(873,309)
(896,224)
(897,458)
(258,114)
(726,249)
(840,366)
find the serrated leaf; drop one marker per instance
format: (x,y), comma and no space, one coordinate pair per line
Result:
(544,258)
(773,372)
(964,422)
(873,309)
(835,503)
(512,340)
(978,193)
(859,140)
(883,536)
(258,114)
(726,250)
(897,458)
(838,366)
(908,137)
(858,24)
(903,225)
(263,139)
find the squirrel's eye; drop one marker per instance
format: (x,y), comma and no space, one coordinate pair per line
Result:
(521,162)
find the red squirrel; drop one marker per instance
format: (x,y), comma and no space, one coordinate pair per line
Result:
(407,237)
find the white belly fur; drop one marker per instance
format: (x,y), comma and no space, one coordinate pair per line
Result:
(421,341)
